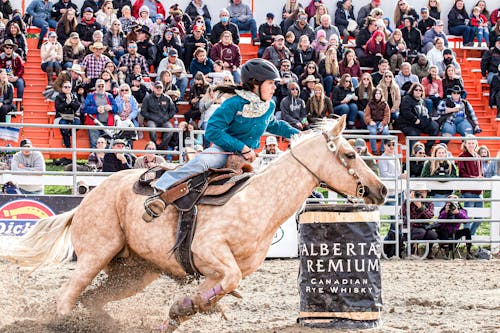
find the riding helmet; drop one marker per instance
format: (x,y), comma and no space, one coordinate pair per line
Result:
(260,70)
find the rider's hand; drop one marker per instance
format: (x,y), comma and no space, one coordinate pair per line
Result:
(248,154)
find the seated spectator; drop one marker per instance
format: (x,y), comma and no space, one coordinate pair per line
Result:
(73,75)
(448,59)
(73,51)
(414,117)
(15,18)
(157,110)
(490,167)
(375,49)
(287,77)
(178,19)
(350,65)
(402,11)
(434,9)
(110,85)
(365,11)
(458,20)
(40,13)
(450,80)
(149,160)
(144,19)
(311,68)
(169,87)
(318,106)
(362,38)
(27,161)
(376,117)
(201,63)
(67,111)
(329,70)
(115,41)
(429,37)
(444,168)
(433,89)
(360,147)
(270,152)
(166,43)
(176,67)
(494,33)
(95,159)
(435,55)
(267,33)
(199,7)
(277,51)
(307,90)
(453,211)
(396,50)
(490,61)
(15,34)
(390,91)
(126,19)
(158,28)
(52,55)
(145,47)
(128,108)
(208,104)
(301,28)
(303,55)
(113,162)
(480,22)
(6,95)
(315,20)
(427,22)
(194,41)
(106,15)
(334,43)
(95,5)
(225,25)
(131,58)
(417,150)
(93,64)
(196,92)
(382,68)
(138,88)
(345,19)
(60,8)
(101,106)
(87,27)
(364,93)
(412,38)
(457,115)
(405,78)
(344,100)
(320,44)
(229,53)
(420,67)
(494,98)
(290,41)
(14,65)
(293,108)
(422,211)
(290,7)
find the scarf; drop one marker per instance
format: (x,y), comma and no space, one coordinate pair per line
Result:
(256,108)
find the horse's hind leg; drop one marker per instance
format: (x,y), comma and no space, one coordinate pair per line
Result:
(126,277)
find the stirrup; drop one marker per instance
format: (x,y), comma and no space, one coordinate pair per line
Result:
(153,206)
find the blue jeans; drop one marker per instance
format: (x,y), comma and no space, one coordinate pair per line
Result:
(247,25)
(67,64)
(44,26)
(166,136)
(328,84)
(460,125)
(19,84)
(472,225)
(374,131)
(182,83)
(483,33)
(208,25)
(200,163)
(236,76)
(468,33)
(66,132)
(439,204)
(350,109)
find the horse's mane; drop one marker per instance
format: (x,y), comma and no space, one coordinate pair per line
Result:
(322,125)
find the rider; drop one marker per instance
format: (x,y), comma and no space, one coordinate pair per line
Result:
(235,127)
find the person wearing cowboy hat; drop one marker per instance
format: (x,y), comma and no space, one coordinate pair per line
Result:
(87,26)
(114,161)
(144,45)
(73,75)
(457,115)
(14,65)
(308,87)
(94,63)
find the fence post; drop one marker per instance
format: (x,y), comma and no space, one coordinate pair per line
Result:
(495,226)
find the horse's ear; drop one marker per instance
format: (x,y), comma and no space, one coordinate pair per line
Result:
(340,126)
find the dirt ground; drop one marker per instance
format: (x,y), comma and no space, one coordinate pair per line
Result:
(419,296)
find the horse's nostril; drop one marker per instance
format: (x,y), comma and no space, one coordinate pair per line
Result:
(383,191)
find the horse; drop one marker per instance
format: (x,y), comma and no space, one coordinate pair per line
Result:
(231,241)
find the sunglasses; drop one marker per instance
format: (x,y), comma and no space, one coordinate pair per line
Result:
(347,81)
(123,89)
(8,47)
(66,86)
(294,89)
(311,67)
(100,86)
(132,46)
(417,90)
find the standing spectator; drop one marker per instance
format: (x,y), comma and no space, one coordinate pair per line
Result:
(389,167)
(403,11)
(494,98)
(149,160)
(480,22)
(101,106)
(350,65)
(277,51)
(225,25)
(106,15)
(457,115)
(318,105)
(376,117)
(293,108)
(94,63)
(301,28)
(15,34)
(427,22)
(448,59)
(414,117)
(157,110)
(6,95)
(73,51)
(433,89)
(490,167)
(362,38)
(113,162)
(344,100)
(405,78)
(268,31)
(193,42)
(344,19)
(51,54)
(28,160)
(87,27)
(431,34)
(490,61)
(14,66)
(365,11)
(434,9)
(412,37)
(67,106)
(40,11)
(199,7)
(417,150)
(458,23)
(435,54)
(242,16)
(66,25)
(155,7)
(329,70)
(229,53)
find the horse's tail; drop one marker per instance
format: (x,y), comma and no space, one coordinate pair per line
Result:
(49,241)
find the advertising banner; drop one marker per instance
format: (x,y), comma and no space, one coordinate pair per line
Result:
(285,240)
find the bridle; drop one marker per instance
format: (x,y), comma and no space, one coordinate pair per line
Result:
(361,190)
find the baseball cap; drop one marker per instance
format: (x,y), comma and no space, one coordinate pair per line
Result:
(447,51)
(74,34)
(497,39)
(359,143)
(270,15)
(173,53)
(52,34)
(158,84)
(278,37)
(424,10)
(88,10)
(99,81)
(271,140)
(439,22)
(119,141)
(26,143)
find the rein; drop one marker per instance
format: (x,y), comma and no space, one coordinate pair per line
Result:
(361,191)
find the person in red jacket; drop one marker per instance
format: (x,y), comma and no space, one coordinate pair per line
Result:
(229,53)
(139,3)
(13,64)
(480,22)
(375,49)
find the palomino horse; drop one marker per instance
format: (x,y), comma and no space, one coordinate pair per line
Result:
(231,241)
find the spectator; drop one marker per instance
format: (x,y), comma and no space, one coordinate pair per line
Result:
(391,94)
(427,22)
(307,90)
(95,159)
(494,33)
(87,27)
(364,93)
(167,42)
(196,8)
(417,150)
(120,4)
(443,168)
(128,108)
(15,34)
(326,25)
(73,75)
(350,65)
(448,59)
(293,109)
(421,211)
(435,55)
(229,53)
(420,67)
(329,70)
(318,106)
(389,167)
(301,28)
(110,85)
(360,147)
(270,152)
(383,67)
(268,31)
(289,8)
(155,7)
(115,41)
(193,42)
(157,110)
(93,64)
(450,80)
(471,169)
(412,37)
(434,9)
(73,51)
(196,92)
(16,18)
(40,11)
(405,78)
(480,22)
(457,115)
(126,19)
(52,55)
(375,49)
(139,90)
(128,60)
(169,87)
(66,25)
(430,36)
(490,61)
(433,89)
(396,50)
(95,5)
(345,19)
(101,106)
(490,167)
(113,162)
(362,38)
(414,117)
(287,77)
(26,161)
(312,7)
(290,41)
(6,10)
(201,63)
(14,66)
(277,51)
(311,69)
(303,55)
(149,160)
(494,98)
(242,16)
(144,45)
(454,211)
(377,116)
(225,25)
(315,20)
(365,11)
(208,104)
(344,100)
(106,15)
(6,95)
(458,21)
(402,12)
(67,106)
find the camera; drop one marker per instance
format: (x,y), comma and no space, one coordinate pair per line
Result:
(452,206)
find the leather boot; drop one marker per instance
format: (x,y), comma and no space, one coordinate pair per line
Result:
(498,113)
(49,78)
(156,204)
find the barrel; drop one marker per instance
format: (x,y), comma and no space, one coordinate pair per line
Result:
(339,277)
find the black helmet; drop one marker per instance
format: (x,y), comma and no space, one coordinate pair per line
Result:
(260,70)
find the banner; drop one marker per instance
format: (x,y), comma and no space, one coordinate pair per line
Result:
(9,133)
(284,244)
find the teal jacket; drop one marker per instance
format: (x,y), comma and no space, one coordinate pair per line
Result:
(228,129)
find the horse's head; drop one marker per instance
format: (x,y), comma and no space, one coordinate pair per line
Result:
(340,168)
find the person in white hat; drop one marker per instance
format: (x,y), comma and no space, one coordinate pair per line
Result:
(51,53)
(270,152)
(113,162)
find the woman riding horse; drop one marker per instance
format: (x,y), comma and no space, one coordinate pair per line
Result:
(235,127)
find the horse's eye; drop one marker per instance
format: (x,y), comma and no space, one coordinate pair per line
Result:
(350,155)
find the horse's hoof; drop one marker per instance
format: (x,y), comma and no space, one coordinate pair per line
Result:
(167,326)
